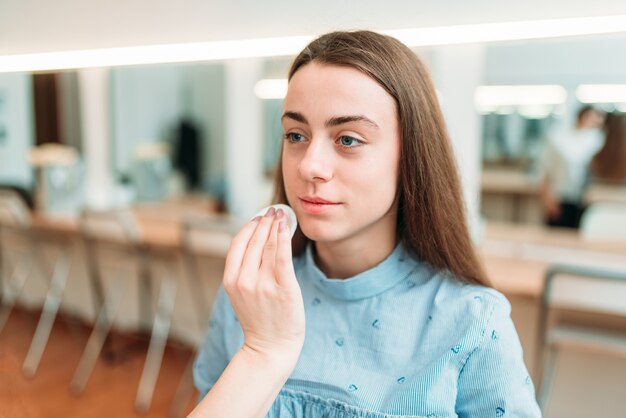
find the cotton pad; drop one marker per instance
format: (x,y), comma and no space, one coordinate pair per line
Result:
(290,215)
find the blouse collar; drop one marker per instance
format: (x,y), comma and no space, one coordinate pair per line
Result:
(395,268)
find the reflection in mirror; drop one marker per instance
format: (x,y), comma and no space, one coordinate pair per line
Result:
(168,128)
(532,93)
(516,120)
(40,126)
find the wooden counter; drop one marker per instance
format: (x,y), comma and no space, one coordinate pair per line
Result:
(159,224)
(510,195)
(517,257)
(508,181)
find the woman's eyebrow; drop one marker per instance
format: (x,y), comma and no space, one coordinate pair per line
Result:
(334,121)
(298,117)
(340,120)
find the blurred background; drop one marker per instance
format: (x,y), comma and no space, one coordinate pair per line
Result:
(134,141)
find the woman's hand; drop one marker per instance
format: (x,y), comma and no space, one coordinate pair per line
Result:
(261,284)
(262,287)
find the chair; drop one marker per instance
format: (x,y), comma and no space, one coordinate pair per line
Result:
(14,225)
(584,289)
(206,239)
(16,220)
(116,233)
(604,220)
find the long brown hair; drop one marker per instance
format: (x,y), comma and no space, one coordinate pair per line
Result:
(609,164)
(431,212)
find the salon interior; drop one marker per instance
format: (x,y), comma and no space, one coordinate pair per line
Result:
(136,137)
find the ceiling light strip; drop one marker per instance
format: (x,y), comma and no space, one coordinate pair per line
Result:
(268,47)
(601,93)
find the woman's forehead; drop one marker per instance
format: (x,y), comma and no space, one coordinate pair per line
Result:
(315,75)
(337,90)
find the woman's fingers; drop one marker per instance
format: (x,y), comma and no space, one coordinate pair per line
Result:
(252,258)
(263,246)
(268,258)
(285,274)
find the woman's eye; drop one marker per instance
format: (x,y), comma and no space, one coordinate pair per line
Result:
(348,141)
(294,137)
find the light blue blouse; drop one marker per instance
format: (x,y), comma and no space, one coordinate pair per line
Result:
(398,340)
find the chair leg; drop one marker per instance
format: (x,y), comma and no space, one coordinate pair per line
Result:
(95,278)
(14,287)
(48,315)
(99,334)
(160,331)
(3,263)
(145,292)
(185,386)
(197,292)
(42,266)
(548,377)
(183,392)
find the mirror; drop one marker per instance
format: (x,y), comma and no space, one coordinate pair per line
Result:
(518,127)
(180,106)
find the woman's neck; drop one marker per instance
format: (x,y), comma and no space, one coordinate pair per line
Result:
(347,258)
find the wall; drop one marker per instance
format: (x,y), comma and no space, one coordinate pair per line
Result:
(16,113)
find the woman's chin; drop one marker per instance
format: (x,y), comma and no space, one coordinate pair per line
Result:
(321,233)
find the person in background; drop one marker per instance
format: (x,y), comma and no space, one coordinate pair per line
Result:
(563,168)
(609,164)
(384,309)
(187,156)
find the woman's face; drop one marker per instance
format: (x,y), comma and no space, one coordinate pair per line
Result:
(341,154)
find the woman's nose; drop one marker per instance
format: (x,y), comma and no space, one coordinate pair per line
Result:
(316,165)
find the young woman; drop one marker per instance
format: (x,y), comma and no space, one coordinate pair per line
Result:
(564,168)
(384,310)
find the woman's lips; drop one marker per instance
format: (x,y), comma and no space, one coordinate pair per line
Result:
(317,207)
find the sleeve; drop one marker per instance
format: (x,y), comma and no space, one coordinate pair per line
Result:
(213,358)
(494,381)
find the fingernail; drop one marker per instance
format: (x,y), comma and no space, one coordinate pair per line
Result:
(281,226)
(270,212)
(279,213)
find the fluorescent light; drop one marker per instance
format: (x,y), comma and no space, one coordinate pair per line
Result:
(271,88)
(152,54)
(492,96)
(601,93)
(281,46)
(505,31)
